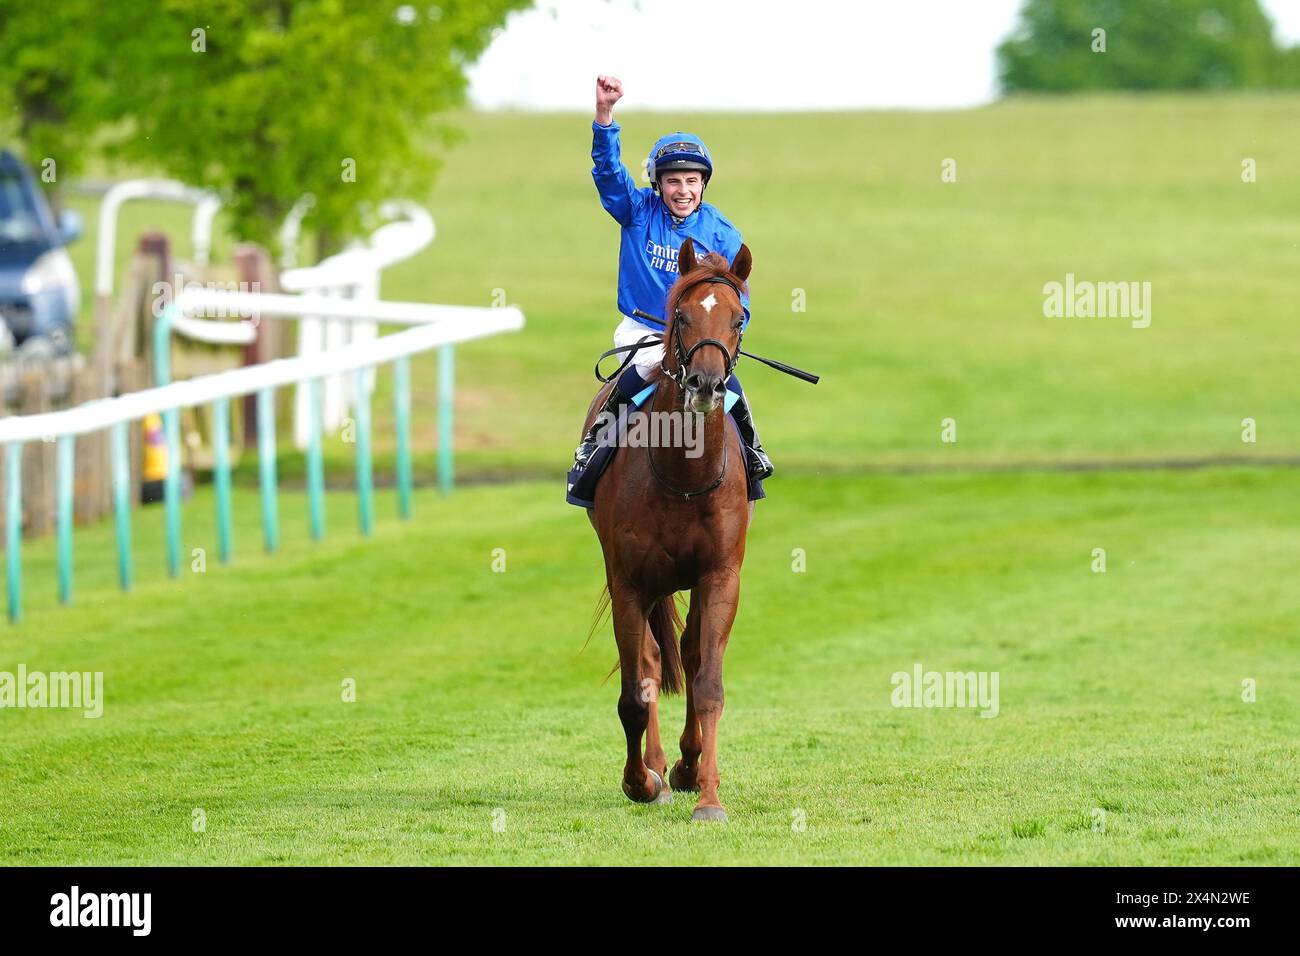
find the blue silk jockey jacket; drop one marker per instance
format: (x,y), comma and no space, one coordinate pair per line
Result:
(652,236)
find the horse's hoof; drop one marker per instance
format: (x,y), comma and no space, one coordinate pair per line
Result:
(709,815)
(679,778)
(665,795)
(654,796)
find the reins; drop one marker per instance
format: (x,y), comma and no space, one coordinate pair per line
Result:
(688,495)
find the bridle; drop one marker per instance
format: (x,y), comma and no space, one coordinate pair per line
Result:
(683,356)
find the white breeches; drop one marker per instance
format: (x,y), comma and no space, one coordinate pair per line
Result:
(630,332)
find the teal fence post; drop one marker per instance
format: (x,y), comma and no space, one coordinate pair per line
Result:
(63,495)
(221,474)
(402,417)
(162,374)
(172,489)
(122,503)
(446,395)
(315,463)
(14,529)
(266,466)
(365,504)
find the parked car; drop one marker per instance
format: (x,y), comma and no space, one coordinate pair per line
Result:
(39,293)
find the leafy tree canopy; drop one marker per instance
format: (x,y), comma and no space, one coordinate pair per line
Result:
(261,100)
(1149,45)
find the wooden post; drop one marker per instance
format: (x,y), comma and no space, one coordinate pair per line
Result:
(154,257)
(155,247)
(253,265)
(93,450)
(87,474)
(133,376)
(38,459)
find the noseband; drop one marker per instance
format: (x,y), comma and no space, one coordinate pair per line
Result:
(684,355)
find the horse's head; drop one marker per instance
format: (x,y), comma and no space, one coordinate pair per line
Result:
(704,316)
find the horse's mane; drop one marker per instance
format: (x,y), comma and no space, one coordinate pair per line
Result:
(705,268)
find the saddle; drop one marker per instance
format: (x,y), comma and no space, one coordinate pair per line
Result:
(581,490)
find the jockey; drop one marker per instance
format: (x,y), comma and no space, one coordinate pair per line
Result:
(656,221)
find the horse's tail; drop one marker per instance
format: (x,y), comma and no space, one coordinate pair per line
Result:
(602,609)
(666,625)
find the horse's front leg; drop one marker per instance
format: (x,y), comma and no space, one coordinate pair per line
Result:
(719,595)
(651,670)
(640,783)
(682,776)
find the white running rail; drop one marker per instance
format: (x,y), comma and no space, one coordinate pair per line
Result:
(206,204)
(351,274)
(437,329)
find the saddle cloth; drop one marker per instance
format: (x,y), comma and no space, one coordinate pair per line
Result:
(581,489)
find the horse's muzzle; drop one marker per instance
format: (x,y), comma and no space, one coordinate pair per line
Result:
(704,390)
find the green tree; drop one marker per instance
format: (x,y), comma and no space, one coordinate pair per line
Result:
(1288,70)
(261,100)
(1152,45)
(51,94)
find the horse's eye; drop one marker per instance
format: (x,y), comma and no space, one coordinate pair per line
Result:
(680,316)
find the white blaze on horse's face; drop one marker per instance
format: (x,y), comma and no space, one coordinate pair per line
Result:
(705,381)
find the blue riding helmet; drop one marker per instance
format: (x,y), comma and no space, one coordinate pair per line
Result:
(679,151)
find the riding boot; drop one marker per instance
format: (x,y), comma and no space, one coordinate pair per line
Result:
(627,386)
(756,459)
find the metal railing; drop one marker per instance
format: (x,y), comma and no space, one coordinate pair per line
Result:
(435,326)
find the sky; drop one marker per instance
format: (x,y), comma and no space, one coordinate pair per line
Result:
(758,54)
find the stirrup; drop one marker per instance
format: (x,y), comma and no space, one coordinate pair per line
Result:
(757,463)
(590,442)
(582,455)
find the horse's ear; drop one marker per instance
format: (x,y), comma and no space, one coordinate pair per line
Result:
(686,258)
(743,262)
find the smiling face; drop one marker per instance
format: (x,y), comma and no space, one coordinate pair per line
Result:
(682,191)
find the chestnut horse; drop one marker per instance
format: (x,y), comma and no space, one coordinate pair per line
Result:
(670,522)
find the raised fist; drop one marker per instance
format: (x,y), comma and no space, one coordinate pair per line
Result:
(609,90)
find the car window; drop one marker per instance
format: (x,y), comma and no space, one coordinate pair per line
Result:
(19,221)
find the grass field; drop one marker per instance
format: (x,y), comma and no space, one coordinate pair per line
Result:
(1122,735)
(1119,691)
(924,299)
